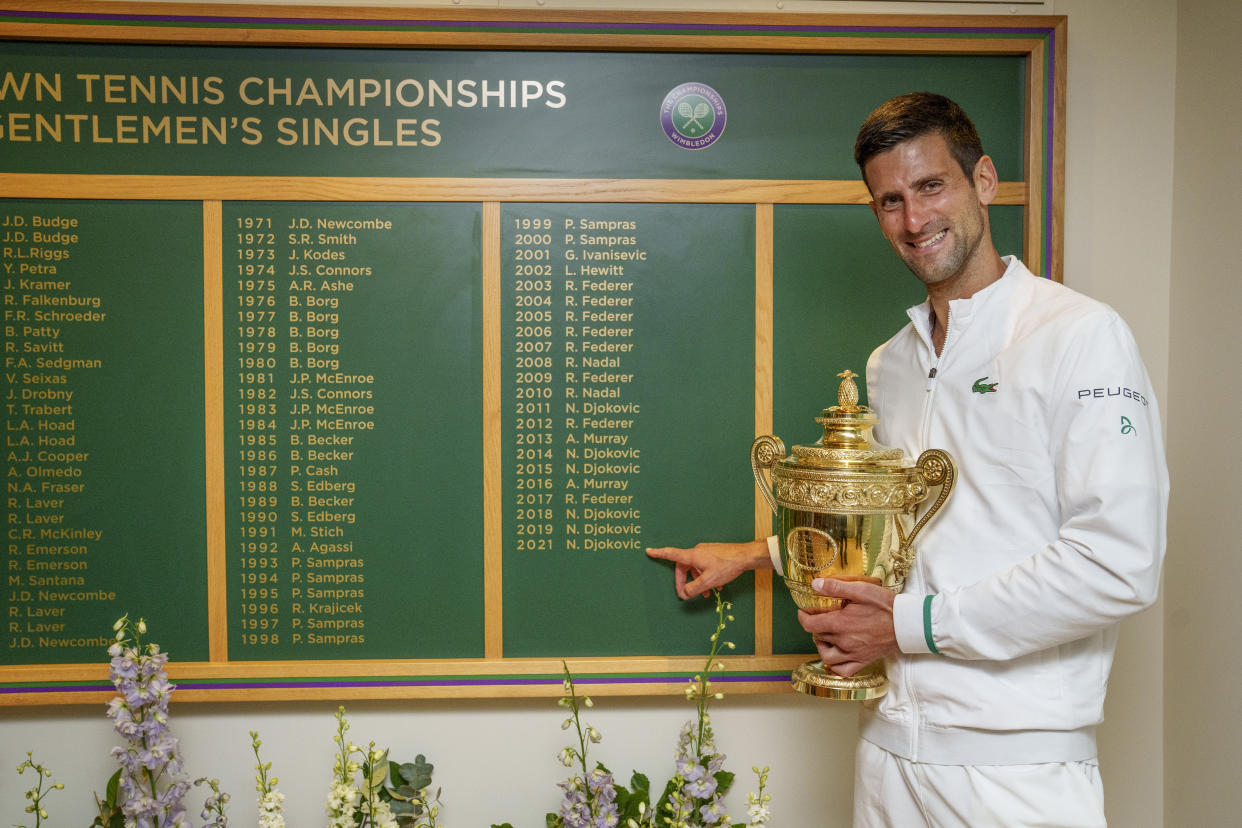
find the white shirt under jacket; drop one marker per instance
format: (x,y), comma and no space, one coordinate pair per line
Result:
(1055,530)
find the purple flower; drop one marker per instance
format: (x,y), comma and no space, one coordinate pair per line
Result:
(151,785)
(713,812)
(690,770)
(701,788)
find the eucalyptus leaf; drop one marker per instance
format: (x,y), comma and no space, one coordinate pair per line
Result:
(417,774)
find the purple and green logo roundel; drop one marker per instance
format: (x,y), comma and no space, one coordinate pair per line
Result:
(693,116)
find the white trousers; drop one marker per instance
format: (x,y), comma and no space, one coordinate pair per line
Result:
(891,792)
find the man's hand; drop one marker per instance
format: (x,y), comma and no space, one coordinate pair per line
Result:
(712,565)
(860,632)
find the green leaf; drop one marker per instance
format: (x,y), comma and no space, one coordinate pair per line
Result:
(404,792)
(114,785)
(418,773)
(669,787)
(503,825)
(398,807)
(723,780)
(377,772)
(628,805)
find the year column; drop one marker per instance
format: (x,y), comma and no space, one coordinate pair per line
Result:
(256,495)
(530,323)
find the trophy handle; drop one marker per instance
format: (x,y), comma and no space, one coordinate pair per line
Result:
(765,453)
(937,468)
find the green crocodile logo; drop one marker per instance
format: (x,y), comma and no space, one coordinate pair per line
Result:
(982,386)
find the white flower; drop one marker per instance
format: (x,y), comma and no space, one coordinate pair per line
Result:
(272,801)
(382,816)
(341,800)
(271,820)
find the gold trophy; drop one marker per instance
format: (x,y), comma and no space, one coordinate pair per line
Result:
(842,508)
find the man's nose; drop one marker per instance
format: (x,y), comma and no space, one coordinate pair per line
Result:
(915,216)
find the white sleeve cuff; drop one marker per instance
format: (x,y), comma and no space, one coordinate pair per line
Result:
(912,623)
(774,552)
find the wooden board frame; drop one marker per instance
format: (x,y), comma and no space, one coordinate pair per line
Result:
(1040,41)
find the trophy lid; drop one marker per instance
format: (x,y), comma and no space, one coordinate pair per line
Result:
(847,443)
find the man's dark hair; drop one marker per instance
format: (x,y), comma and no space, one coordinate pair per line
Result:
(912,116)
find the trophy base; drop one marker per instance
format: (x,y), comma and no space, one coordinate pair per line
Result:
(814,679)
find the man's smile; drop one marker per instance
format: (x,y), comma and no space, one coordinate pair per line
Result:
(929,242)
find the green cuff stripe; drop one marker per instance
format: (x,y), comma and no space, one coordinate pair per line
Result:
(927,632)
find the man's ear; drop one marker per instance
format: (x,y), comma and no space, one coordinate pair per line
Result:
(986,180)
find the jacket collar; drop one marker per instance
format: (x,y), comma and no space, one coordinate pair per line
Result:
(963,311)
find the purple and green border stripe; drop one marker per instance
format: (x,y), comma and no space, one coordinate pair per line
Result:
(444,681)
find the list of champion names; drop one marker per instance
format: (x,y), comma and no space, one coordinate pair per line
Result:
(627,379)
(302,408)
(48,468)
(573,311)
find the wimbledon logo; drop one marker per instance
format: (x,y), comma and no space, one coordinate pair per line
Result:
(693,116)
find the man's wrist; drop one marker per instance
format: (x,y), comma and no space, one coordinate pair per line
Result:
(772,554)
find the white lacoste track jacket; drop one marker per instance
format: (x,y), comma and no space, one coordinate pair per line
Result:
(1055,530)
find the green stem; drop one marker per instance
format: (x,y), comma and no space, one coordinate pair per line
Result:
(573,703)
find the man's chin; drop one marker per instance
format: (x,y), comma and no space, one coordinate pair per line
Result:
(927,275)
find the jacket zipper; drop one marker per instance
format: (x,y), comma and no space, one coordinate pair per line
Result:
(928,403)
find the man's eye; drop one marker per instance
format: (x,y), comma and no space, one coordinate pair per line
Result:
(932,186)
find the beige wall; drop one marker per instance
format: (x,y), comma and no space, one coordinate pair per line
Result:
(1119,179)
(1203,659)
(496,760)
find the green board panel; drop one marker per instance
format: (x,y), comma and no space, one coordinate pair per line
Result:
(86,108)
(105,481)
(628,364)
(839,292)
(352,422)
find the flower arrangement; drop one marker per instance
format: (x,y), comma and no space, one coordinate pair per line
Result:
(693,798)
(213,805)
(37,794)
(271,801)
(149,787)
(147,791)
(368,791)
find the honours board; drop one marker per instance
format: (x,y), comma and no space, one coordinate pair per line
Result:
(363,371)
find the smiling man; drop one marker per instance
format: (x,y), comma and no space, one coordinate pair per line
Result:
(998,650)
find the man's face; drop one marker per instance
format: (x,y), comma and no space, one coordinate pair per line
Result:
(928,209)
